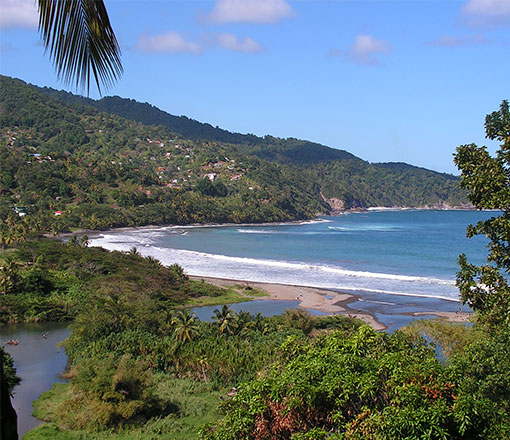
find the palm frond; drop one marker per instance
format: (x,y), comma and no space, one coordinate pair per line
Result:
(81,41)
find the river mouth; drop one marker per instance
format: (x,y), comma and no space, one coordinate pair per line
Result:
(38,361)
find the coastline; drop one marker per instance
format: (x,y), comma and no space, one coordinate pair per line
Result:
(326,300)
(317,219)
(381,310)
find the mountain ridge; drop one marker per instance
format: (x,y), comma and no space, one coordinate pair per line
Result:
(103,170)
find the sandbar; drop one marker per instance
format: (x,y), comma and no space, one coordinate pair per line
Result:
(324,300)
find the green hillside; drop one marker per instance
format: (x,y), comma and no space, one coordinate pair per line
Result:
(69,164)
(293,151)
(357,183)
(101,170)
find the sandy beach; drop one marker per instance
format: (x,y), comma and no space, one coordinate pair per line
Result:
(379,310)
(323,300)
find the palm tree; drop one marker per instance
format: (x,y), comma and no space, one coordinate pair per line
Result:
(185,325)
(6,236)
(134,252)
(243,320)
(257,323)
(300,319)
(80,41)
(9,275)
(203,364)
(225,320)
(19,233)
(154,262)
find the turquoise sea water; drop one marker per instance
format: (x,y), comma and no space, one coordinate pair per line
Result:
(405,252)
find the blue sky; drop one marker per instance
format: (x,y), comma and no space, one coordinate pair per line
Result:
(386,80)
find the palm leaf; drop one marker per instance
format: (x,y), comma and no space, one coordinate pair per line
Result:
(81,41)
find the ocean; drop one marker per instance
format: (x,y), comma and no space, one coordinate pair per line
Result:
(375,253)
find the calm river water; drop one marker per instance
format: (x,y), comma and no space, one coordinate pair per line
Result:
(38,361)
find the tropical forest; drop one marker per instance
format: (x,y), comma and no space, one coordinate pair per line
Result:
(140,363)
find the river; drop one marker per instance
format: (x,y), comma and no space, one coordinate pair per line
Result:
(38,362)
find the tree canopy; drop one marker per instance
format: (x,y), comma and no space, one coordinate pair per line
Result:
(487,179)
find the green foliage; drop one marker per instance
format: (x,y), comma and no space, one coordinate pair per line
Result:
(99,170)
(451,337)
(360,184)
(125,341)
(482,371)
(485,288)
(225,321)
(37,282)
(185,325)
(111,393)
(47,280)
(300,319)
(9,371)
(195,403)
(367,385)
(9,276)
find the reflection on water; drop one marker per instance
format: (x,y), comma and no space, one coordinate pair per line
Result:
(38,362)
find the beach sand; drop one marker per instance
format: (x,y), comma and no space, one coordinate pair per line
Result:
(323,300)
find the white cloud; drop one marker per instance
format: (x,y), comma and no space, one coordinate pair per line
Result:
(18,13)
(487,7)
(469,40)
(250,11)
(232,42)
(364,50)
(487,12)
(170,42)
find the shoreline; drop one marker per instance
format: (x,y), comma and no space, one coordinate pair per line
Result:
(328,301)
(317,219)
(366,306)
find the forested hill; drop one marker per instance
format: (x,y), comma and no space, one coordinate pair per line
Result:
(68,164)
(72,165)
(292,151)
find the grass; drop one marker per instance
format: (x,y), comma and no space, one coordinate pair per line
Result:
(251,291)
(197,402)
(46,405)
(235,294)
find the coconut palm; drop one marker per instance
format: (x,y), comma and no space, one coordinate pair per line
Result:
(84,241)
(80,41)
(19,233)
(202,360)
(6,236)
(185,325)
(225,320)
(257,323)
(9,275)
(134,252)
(154,262)
(243,320)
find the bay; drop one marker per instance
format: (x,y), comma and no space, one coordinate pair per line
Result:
(405,252)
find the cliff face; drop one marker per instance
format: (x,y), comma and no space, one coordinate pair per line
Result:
(337,205)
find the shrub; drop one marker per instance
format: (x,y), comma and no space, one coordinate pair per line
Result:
(110,394)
